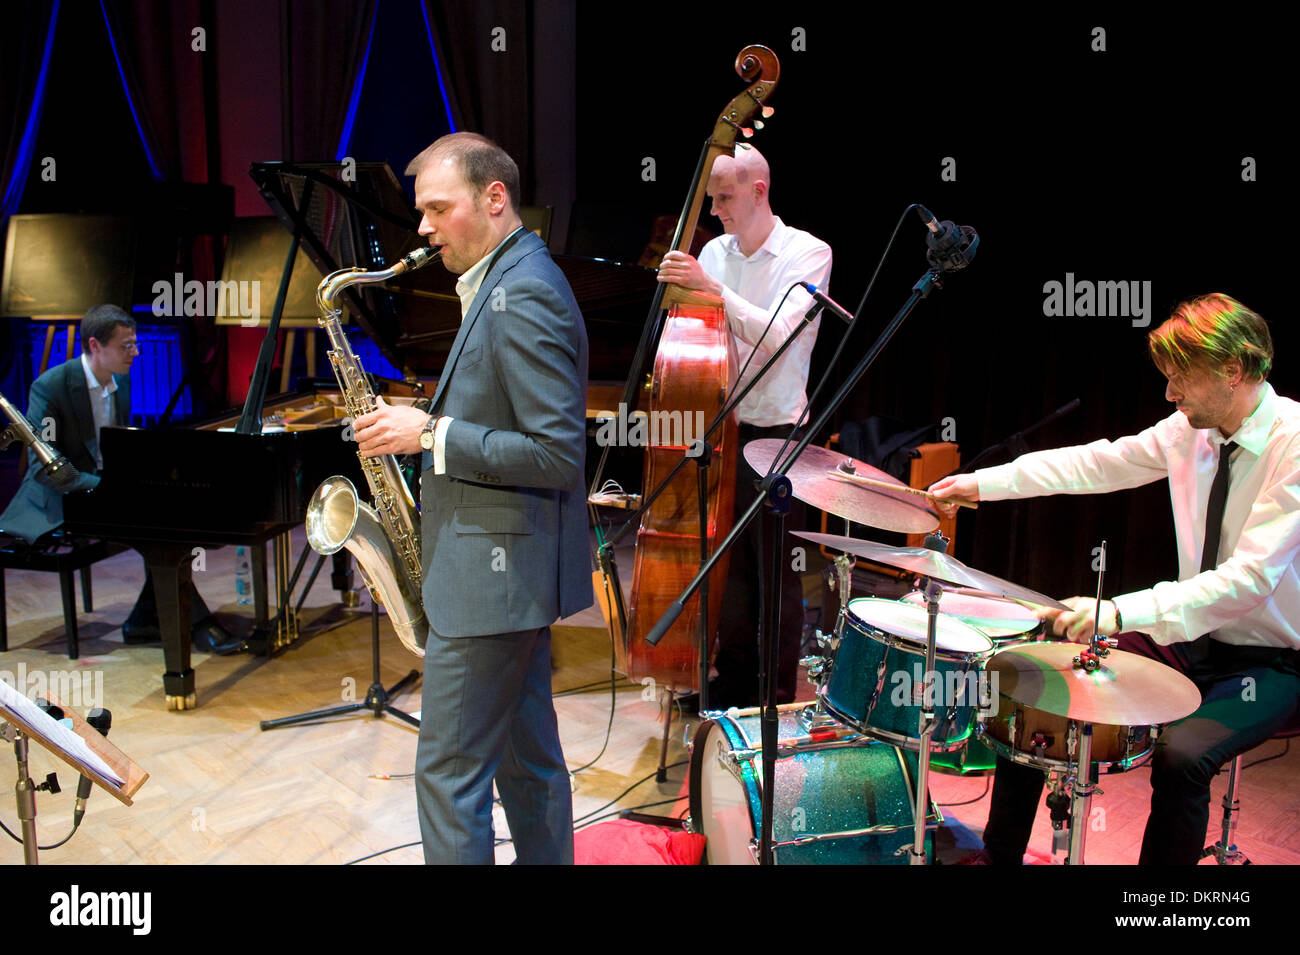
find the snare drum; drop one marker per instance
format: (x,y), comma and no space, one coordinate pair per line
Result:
(877,677)
(1036,738)
(1006,623)
(840,799)
(1003,621)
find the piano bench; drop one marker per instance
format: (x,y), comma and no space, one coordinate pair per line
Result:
(60,555)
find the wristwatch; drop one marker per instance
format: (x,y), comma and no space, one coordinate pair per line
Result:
(426,435)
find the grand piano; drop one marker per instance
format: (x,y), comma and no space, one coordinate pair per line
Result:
(245,478)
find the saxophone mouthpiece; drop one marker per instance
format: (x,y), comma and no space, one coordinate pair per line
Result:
(417,259)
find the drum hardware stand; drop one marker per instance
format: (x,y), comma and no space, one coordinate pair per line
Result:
(1083,784)
(814,717)
(1081,796)
(933,593)
(1059,804)
(377,698)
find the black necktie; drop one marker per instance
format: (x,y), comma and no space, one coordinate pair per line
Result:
(1214,512)
(1197,652)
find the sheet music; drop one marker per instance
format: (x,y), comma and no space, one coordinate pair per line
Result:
(31,714)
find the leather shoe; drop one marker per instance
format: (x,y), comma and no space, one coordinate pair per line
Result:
(140,633)
(211,637)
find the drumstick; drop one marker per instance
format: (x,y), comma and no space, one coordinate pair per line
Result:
(869,482)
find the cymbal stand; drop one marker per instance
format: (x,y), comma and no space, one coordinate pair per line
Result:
(930,689)
(1081,796)
(1083,785)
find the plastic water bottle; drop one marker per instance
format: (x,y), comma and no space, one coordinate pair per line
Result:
(243,576)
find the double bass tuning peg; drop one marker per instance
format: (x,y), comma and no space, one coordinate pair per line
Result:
(758,124)
(767,112)
(746,132)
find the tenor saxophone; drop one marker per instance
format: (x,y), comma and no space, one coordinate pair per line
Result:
(385,538)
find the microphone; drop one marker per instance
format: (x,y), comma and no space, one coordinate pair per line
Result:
(949,247)
(669,618)
(825,301)
(101,719)
(61,474)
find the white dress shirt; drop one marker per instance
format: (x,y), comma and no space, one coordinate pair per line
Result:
(101,404)
(467,287)
(1253,596)
(753,285)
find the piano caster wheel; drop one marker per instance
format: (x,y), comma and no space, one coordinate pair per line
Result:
(188,702)
(350,599)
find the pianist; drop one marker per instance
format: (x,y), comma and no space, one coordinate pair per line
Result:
(68,406)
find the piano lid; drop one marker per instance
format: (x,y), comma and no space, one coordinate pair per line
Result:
(367,220)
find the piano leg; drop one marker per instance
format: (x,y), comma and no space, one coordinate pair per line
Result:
(170,565)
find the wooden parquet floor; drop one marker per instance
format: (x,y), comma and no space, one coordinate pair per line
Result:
(222,791)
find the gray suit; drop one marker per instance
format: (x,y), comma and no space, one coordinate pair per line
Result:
(505,553)
(62,396)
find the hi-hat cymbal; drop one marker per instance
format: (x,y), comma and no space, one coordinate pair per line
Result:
(875,507)
(1127,690)
(931,563)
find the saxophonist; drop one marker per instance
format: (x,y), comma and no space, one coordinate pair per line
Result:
(503,521)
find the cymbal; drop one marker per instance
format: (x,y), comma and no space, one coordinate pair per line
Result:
(931,563)
(875,507)
(1127,690)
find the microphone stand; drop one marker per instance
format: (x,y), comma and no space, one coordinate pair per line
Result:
(775,492)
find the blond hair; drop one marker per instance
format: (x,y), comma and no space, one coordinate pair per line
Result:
(1208,332)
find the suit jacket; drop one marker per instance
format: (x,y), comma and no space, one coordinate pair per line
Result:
(504,531)
(60,395)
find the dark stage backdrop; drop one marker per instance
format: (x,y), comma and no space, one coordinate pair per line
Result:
(1117,165)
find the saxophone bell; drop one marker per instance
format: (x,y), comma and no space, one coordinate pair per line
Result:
(385,538)
(337,519)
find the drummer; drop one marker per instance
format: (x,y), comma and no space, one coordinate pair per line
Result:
(1232,616)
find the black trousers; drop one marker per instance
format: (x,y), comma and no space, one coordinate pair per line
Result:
(1248,694)
(737,658)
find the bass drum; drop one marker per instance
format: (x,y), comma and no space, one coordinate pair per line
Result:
(840,798)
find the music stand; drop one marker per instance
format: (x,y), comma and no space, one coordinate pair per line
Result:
(81,747)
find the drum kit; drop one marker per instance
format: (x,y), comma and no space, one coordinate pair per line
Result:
(903,687)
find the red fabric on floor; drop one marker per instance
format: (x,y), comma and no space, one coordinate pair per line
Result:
(624,842)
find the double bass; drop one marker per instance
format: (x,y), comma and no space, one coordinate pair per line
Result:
(694,373)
